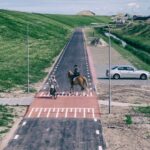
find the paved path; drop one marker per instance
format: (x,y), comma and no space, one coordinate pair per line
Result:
(119,104)
(58,134)
(74,53)
(23,101)
(70,122)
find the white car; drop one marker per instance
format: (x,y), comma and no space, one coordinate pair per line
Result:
(124,71)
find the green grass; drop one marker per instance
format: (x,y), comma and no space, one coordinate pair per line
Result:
(145,110)
(137,35)
(6,118)
(48,34)
(128,119)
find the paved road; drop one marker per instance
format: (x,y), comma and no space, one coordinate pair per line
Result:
(78,127)
(74,53)
(60,134)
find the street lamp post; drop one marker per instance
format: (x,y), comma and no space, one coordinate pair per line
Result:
(28,60)
(110,98)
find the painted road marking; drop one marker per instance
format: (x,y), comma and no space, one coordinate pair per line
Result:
(30,113)
(57,113)
(16,137)
(24,123)
(65,112)
(40,112)
(100,148)
(93,113)
(95,119)
(49,110)
(84,115)
(97,132)
(47,94)
(75,113)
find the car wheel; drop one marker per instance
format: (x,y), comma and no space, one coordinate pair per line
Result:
(116,76)
(143,77)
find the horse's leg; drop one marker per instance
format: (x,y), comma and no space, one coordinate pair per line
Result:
(71,88)
(81,85)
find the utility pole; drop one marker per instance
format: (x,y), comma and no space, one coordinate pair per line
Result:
(110,97)
(27,46)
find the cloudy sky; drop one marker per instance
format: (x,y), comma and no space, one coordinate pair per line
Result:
(100,7)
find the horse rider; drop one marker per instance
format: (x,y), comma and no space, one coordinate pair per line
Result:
(76,72)
(53,83)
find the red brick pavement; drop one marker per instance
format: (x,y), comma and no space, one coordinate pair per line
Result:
(65,107)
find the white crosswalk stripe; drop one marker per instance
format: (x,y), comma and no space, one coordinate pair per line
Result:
(59,94)
(64,112)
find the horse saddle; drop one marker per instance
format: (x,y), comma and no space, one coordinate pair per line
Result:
(74,79)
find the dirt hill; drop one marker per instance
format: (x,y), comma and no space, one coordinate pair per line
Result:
(86,13)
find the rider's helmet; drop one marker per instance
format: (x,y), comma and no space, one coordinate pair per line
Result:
(75,66)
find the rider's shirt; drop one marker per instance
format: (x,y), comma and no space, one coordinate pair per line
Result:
(53,83)
(76,72)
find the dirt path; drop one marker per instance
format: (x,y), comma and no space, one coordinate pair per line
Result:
(120,136)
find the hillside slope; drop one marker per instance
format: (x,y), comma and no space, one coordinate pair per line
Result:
(47,36)
(137,35)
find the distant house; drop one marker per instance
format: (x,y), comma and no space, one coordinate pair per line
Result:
(120,19)
(86,13)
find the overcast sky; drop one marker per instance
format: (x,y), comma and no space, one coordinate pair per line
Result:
(100,7)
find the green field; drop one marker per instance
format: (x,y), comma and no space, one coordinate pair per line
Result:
(136,34)
(6,119)
(48,34)
(137,37)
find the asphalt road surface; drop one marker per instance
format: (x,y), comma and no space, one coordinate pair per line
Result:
(58,134)
(74,53)
(62,134)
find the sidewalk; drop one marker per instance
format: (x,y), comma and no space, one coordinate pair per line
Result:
(119,104)
(16,101)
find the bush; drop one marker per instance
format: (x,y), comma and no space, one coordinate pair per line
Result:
(140,54)
(128,119)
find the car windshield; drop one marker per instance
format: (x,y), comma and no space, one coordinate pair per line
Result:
(114,67)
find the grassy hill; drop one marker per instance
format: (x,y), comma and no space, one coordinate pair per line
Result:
(137,35)
(47,36)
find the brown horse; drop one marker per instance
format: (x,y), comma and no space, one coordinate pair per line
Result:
(80,80)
